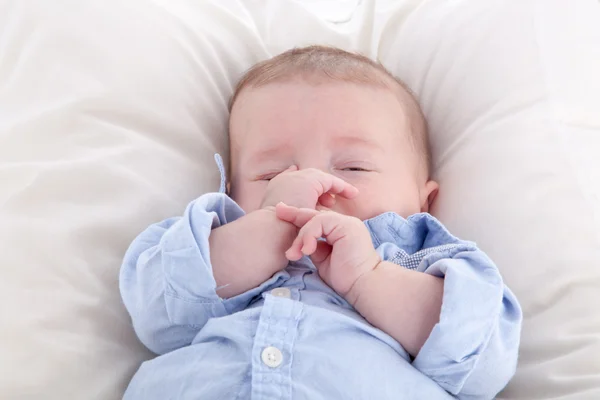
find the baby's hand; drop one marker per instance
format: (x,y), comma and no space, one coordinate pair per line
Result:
(345,256)
(306,189)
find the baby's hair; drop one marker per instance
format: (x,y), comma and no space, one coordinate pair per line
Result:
(316,63)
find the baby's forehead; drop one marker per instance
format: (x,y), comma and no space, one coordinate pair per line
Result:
(400,96)
(254,99)
(286,96)
(326,111)
(413,128)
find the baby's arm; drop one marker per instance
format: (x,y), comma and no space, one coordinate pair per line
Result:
(171,271)
(403,303)
(453,313)
(463,329)
(248,251)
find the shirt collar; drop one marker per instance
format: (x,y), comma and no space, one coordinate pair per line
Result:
(417,232)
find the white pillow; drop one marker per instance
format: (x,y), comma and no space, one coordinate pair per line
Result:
(511,91)
(110,113)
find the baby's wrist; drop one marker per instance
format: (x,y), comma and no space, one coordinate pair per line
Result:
(362,284)
(268,215)
(282,230)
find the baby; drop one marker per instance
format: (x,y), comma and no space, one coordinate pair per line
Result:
(320,275)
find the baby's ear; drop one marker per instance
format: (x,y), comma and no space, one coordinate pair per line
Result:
(428,194)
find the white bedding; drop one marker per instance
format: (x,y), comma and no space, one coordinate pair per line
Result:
(111,111)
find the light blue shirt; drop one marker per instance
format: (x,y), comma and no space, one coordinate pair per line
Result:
(293,337)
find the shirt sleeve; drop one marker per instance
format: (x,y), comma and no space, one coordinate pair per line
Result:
(166,279)
(472,351)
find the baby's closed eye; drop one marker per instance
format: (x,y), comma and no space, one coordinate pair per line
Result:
(355,169)
(355,164)
(358,166)
(268,176)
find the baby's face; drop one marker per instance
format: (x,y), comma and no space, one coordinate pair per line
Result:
(356,132)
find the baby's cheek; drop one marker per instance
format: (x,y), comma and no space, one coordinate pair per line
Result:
(373,202)
(405,207)
(358,207)
(249,197)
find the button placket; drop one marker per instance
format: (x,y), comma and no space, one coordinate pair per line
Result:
(273,344)
(281,292)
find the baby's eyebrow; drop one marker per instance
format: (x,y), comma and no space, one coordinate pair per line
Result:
(357,141)
(268,153)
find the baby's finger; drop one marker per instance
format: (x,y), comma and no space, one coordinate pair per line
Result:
(294,253)
(327,200)
(291,168)
(309,234)
(297,216)
(329,225)
(306,241)
(309,245)
(334,185)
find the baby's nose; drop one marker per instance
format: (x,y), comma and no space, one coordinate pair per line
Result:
(325,169)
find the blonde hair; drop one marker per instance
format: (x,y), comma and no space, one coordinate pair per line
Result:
(323,62)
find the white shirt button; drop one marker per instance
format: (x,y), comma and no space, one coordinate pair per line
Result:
(272,357)
(281,292)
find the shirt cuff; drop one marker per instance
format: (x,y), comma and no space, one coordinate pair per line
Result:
(479,326)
